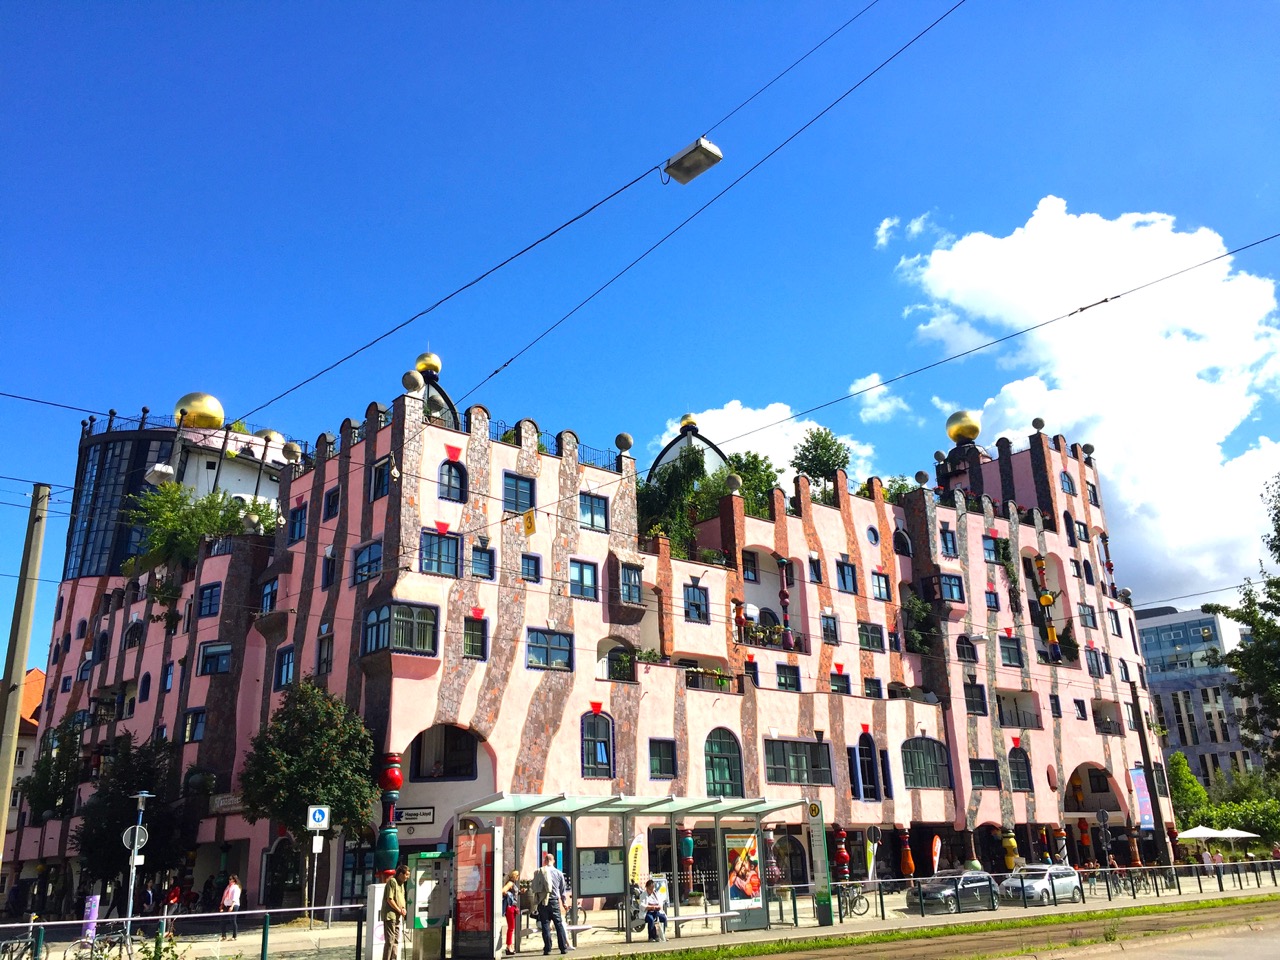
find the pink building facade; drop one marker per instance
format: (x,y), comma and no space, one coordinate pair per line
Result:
(481,595)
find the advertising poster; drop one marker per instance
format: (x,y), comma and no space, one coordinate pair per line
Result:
(744,871)
(91,915)
(1146,816)
(636,857)
(474,898)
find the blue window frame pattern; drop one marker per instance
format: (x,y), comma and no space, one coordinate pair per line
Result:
(630,584)
(475,639)
(993,600)
(840,684)
(380,479)
(864,774)
(750,567)
(482,563)
(1088,615)
(270,591)
(518,493)
(830,629)
(583,582)
(815,570)
(1068,483)
(925,765)
(989,550)
(880,586)
(214,658)
(210,600)
(697,604)
(404,628)
(284,667)
(167,680)
(297,523)
(947,543)
(332,501)
(530,568)
(723,763)
(439,554)
(193,726)
(846,577)
(593,512)
(144,688)
(1019,770)
(367,563)
(871,636)
(597,747)
(549,650)
(328,572)
(797,761)
(66,684)
(788,677)
(452,482)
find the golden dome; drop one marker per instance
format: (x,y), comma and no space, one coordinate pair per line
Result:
(964,425)
(688,421)
(203,410)
(271,436)
(428,361)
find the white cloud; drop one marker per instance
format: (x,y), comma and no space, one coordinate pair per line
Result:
(1157,381)
(916,226)
(778,443)
(877,403)
(945,328)
(944,406)
(884,232)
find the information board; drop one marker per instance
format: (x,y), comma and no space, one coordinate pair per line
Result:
(601,871)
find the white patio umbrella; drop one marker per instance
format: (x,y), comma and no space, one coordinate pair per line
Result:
(1231,834)
(1202,833)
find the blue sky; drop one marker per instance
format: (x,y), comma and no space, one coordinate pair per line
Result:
(228,197)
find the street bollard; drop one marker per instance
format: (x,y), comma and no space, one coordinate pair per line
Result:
(266,933)
(1024,892)
(359,934)
(795,912)
(37,948)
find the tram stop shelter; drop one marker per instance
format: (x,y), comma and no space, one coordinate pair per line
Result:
(518,809)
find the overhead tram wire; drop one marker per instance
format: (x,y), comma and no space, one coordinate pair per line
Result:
(597,205)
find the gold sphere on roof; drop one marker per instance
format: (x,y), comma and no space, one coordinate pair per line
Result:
(203,410)
(271,436)
(688,421)
(964,425)
(428,362)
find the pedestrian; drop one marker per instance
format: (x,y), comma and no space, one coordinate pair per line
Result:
(549,893)
(394,910)
(511,907)
(228,906)
(172,904)
(653,912)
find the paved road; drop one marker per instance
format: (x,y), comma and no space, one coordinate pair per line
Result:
(1259,943)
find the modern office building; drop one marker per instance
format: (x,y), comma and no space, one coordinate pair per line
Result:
(955,661)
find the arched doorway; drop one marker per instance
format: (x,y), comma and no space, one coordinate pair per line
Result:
(281,876)
(554,838)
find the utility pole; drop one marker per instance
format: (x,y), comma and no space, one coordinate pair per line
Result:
(1149,774)
(15,664)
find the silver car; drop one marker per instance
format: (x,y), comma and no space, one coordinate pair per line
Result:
(1036,878)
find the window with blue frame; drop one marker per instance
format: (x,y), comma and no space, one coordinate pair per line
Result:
(750,567)
(863,772)
(830,629)
(482,563)
(630,586)
(925,765)
(582,580)
(597,746)
(168,677)
(549,650)
(531,568)
(989,550)
(193,726)
(332,501)
(214,658)
(297,523)
(593,512)
(517,493)
(947,543)
(797,761)
(210,600)
(380,479)
(840,684)
(270,589)
(475,639)
(815,570)
(284,667)
(846,577)
(367,562)
(697,606)
(452,482)
(439,554)
(880,586)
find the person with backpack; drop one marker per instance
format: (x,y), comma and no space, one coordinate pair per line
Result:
(547,887)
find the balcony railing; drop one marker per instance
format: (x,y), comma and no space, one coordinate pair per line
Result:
(769,636)
(1108,728)
(1020,719)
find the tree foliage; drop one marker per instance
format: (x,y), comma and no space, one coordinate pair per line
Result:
(152,767)
(313,751)
(51,788)
(819,455)
(175,521)
(1243,785)
(1187,794)
(1256,663)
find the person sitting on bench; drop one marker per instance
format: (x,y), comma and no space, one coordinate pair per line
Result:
(653,912)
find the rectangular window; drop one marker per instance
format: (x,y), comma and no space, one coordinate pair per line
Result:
(1094,662)
(214,658)
(1093,493)
(989,550)
(530,568)
(284,667)
(975,699)
(582,580)
(697,604)
(880,586)
(993,600)
(439,554)
(380,479)
(1082,712)
(788,677)
(984,774)
(815,570)
(1098,781)
(751,671)
(1088,615)
(168,677)
(791,761)
(947,541)
(662,759)
(630,586)
(1106,662)
(210,600)
(332,500)
(193,727)
(871,636)
(840,684)
(1082,532)
(830,629)
(517,493)
(66,685)
(593,512)
(1075,569)
(368,562)
(872,688)
(270,590)
(297,523)
(846,577)
(1055,705)
(1124,670)
(951,587)
(482,563)
(750,567)
(548,650)
(1011,651)
(328,572)
(324,654)
(475,639)
(1113,620)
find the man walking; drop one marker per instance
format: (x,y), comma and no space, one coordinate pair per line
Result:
(548,890)
(394,909)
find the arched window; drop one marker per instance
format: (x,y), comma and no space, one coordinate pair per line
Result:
(925,764)
(1088,572)
(1069,527)
(82,629)
(901,543)
(133,634)
(724,764)
(453,482)
(597,746)
(622,664)
(1019,770)
(377,630)
(966,652)
(768,618)
(144,688)
(864,771)
(101,647)
(1068,484)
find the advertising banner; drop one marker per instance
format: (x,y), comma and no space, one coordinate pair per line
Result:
(1146,816)
(743,854)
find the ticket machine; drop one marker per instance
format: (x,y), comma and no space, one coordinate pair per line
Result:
(430,899)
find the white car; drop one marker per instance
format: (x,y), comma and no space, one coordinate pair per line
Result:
(1036,878)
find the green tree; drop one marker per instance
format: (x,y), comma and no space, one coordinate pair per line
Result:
(128,770)
(665,501)
(1256,664)
(175,521)
(1243,786)
(51,788)
(1185,792)
(313,751)
(818,456)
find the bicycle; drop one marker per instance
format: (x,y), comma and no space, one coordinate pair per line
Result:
(23,948)
(105,946)
(853,900)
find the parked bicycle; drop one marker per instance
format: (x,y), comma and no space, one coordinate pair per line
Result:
(106,946)
(853,900)
(24,947)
